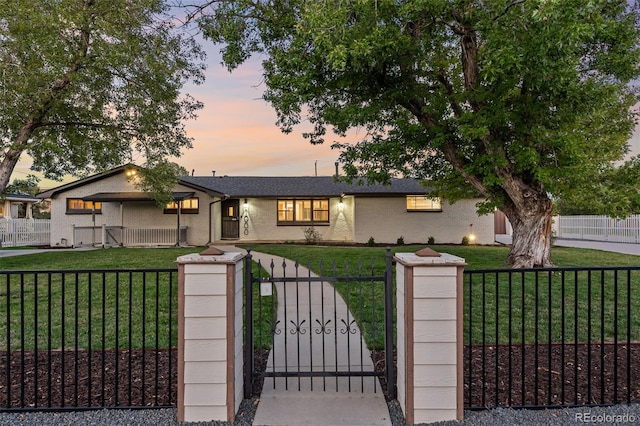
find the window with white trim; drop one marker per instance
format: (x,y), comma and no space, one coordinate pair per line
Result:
(79,206)
(423,203)
(303,211)
(187,206)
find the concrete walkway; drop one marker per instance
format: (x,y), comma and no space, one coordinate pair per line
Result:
(310,347)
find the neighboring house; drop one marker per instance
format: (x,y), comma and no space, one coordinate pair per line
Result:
(10,206)
(215,208)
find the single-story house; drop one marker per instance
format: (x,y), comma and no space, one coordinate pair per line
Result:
(10,206)
(109,209)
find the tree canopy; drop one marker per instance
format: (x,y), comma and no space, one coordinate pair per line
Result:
(86,85)
(516,101)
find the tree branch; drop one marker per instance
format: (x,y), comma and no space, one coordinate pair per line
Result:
(442,78)
(506,10)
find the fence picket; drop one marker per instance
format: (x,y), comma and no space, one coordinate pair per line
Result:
(600,228)
(24,232)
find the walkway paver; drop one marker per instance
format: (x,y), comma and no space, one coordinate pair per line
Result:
(329,401)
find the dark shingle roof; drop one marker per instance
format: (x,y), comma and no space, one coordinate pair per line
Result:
(84,181)
(132,196)
(18,197)
(306,186)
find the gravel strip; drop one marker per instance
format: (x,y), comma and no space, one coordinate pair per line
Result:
(617,414)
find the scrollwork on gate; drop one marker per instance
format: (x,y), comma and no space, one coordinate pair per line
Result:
(349,328)
(323,327)
(274,327)
(297,328)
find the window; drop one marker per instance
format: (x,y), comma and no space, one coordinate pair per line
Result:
(187,206)
(303,211)
(79,206)
(423,203)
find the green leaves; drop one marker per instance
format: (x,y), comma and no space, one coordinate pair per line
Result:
(513,100)
(90,85)
(158,179)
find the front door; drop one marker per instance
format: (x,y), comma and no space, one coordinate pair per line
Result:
(231,219)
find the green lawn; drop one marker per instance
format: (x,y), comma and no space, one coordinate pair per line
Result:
(130,310)
(569,307)
(112,258)
(96,310)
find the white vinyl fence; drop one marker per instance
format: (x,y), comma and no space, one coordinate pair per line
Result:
(599,228)
(24,232)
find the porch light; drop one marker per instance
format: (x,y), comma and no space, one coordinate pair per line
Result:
(245,205)
(341,203)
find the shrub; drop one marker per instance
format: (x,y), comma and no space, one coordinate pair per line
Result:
(431,241)
(371,242)
(465,241)
(311,235)
(400,240)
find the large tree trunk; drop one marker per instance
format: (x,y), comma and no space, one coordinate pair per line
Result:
(12,155)
(531,222)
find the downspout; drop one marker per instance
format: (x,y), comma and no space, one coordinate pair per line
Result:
(121,224)
(224,197)
(179,202)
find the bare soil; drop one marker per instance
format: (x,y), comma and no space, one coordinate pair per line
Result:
(502,376)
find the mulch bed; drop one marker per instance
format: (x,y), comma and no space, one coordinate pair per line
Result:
(137,379)
(560,375)
(88,378)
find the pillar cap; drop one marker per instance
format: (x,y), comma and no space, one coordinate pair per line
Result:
(427,252)
(444,259)
(212,251)
(229,257)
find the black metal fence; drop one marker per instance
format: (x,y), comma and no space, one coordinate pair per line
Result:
(552,337)
(104,338)
(88,339)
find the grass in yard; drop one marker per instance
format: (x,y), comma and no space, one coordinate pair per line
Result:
(542,307)
(111,258)
(88,310)
(68,310)
(566,308)
(549,307)
(264,313)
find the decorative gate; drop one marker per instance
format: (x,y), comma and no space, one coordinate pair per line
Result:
(316,332)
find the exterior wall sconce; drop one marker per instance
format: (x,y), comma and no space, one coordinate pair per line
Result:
(472,236)
(131,172)
(245,206)
(341,203)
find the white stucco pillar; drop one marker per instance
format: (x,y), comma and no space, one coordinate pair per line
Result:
(429,336)
(210,324)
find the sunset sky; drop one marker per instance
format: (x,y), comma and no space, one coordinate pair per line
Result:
(235,133)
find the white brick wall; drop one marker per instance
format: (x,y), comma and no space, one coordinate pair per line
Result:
(138,214)
(263,222)
(387,219)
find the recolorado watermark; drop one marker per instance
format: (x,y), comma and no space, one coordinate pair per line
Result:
(588,417)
